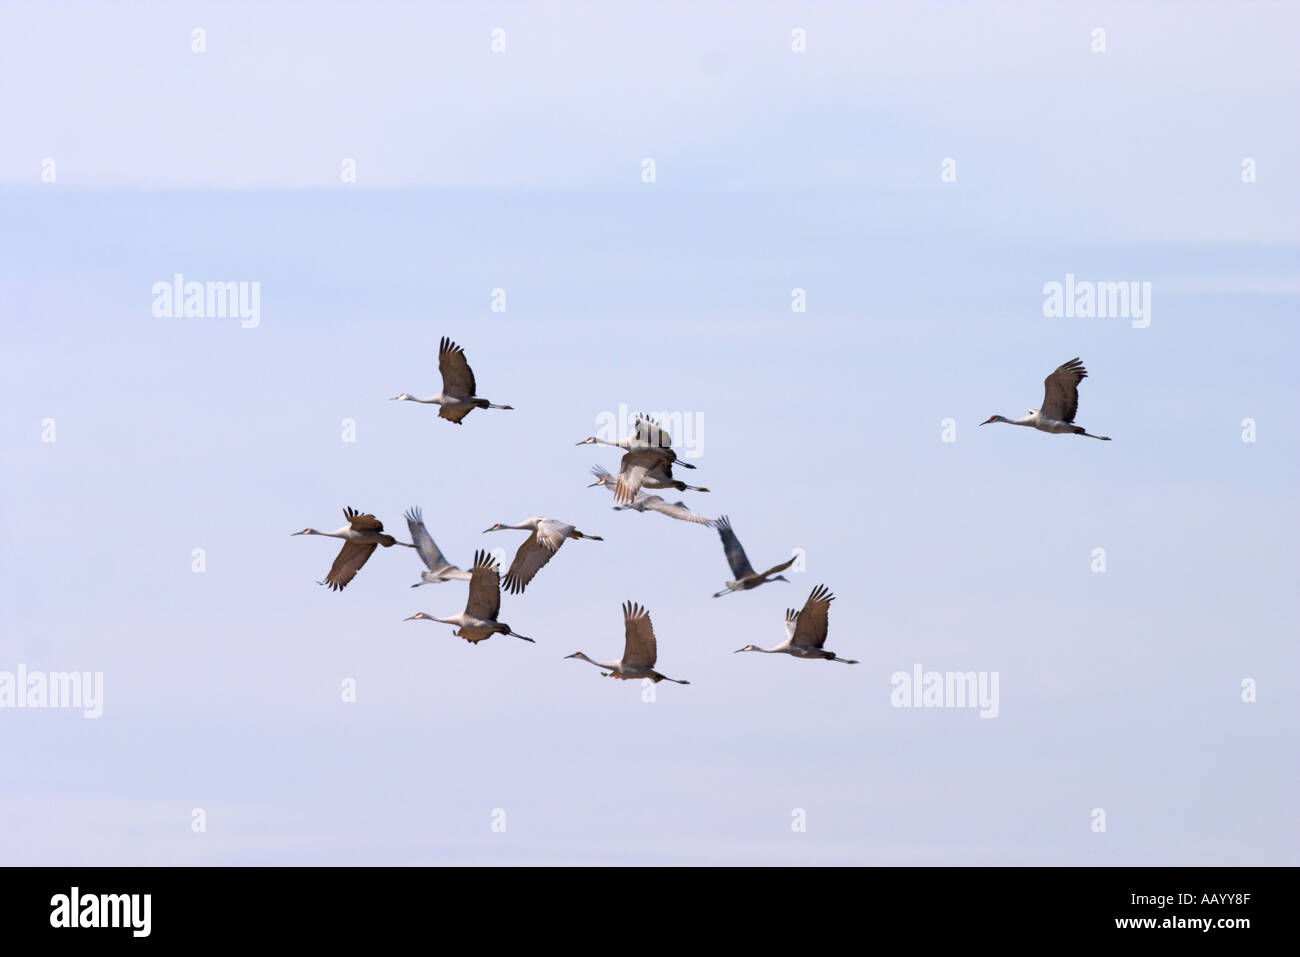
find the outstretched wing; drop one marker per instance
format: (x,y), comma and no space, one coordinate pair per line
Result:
(361,522)
(778,568)
(457,377)
(484,587)
(350,559)
(812,622)
(736,558)
(424,543)
(650,433)
(639,634)
(629,483)
(535,552)
(454,413)
(661,471)
(1061,391)
(633,469)
(552,533)
(791,620)
(677,510)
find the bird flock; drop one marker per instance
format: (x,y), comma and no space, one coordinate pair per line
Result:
(647,462)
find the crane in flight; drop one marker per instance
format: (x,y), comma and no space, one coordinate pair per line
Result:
(479,619)
(805,630)
(653,503)
(1060,403)
(647,452)
(654,479)
(361,536)
(458,397)
(649,503)
(548,534)
(439,569)
(746,578)
(639,650)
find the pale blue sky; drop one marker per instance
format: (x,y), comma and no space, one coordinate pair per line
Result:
(821,430)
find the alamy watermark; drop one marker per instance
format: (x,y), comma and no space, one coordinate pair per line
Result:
(1084,299)
(179,299)
(77,909)
(945,689)
(681,431)
(55,689)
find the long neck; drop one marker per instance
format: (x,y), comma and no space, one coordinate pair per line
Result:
(598,664)
(341,533)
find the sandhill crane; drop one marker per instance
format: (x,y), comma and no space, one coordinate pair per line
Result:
(649,503)
(362,534)
(648,452)
(648,460)
(646,434)
(479,619)
(805,631)
(440,570)
(639,651)
(653,479)
(746,577)
(638,465)
(653,503)
(548,535)
(1060,403)
(457,398)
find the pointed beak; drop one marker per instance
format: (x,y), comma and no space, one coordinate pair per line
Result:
(412,618)
(486,530)
(738,651)
(594,484)
(574,655)
(291,534)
